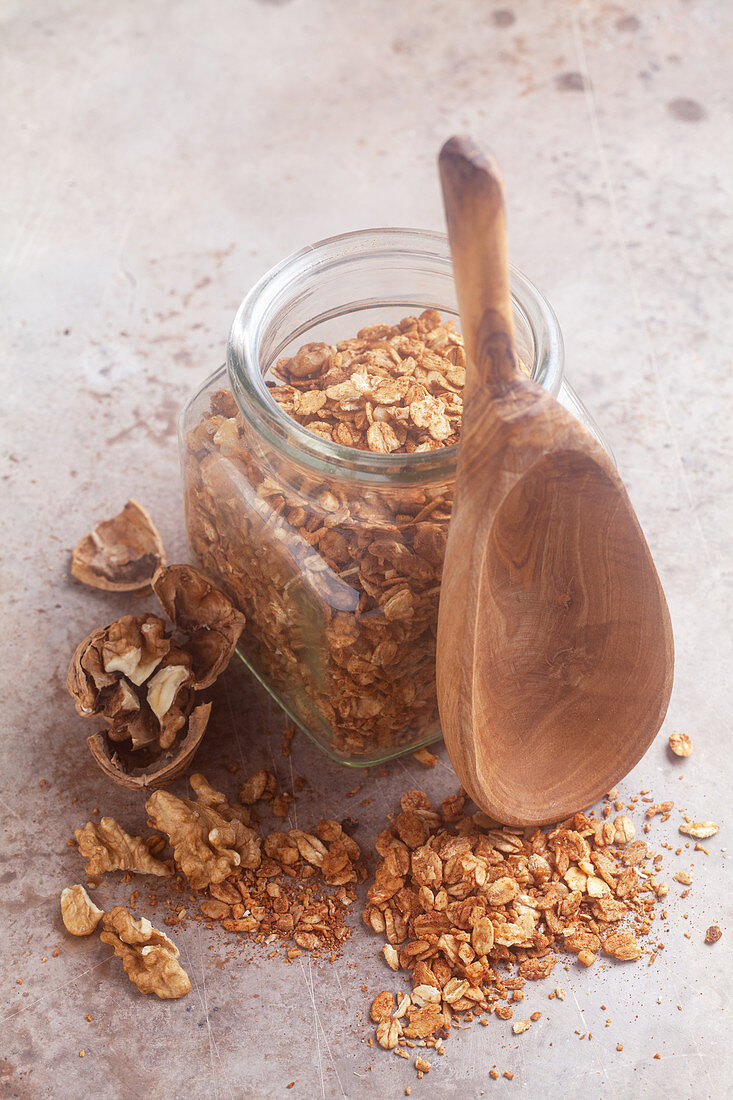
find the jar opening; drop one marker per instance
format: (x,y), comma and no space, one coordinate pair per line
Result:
(327,292)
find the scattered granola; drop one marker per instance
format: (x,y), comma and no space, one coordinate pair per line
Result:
(462,901)
(680,744)
(426,757)
(121,554)
(78,912)
(699,829)
(150,959)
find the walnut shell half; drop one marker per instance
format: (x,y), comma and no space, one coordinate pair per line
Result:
(126,769)
(121,554)
(201,610)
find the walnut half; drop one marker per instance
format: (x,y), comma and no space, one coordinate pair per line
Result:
(108,847)
(121,554)
(78,912)
(207,845)
(150,959)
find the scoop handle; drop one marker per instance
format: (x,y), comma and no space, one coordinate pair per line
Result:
(473,197)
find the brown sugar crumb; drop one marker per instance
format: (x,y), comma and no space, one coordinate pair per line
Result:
(713,934)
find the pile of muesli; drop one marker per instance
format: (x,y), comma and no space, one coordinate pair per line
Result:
(474,910)
(339,580)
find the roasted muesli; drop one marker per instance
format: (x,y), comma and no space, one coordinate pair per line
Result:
(339,580)
(463,901)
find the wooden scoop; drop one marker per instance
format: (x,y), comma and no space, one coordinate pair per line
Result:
(555,649)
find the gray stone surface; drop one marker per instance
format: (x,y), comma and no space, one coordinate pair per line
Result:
(157,158)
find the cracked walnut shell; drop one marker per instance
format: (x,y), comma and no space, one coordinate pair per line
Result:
(78,912)
(201,610)
(121,554)
(150,959)
(144,684)
(128,769)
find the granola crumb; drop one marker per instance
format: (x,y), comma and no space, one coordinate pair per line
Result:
(680,744)
(713,934)
(424,756)
(619,1046)
(509,1075)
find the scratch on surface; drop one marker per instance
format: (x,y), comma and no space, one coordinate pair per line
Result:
(316,1028)
(310,985)
(334,970)
(678,997)
(596,1054)
(636,297)
(292,789)
(234,724)
(203,1000)
(406,770)
(56,989)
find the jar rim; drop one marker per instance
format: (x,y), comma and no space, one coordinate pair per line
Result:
(282,431)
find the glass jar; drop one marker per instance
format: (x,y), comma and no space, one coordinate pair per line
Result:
(335,554)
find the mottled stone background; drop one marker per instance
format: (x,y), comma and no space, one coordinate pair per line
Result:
(157,157)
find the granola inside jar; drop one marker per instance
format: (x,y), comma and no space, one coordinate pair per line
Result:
(318,471)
